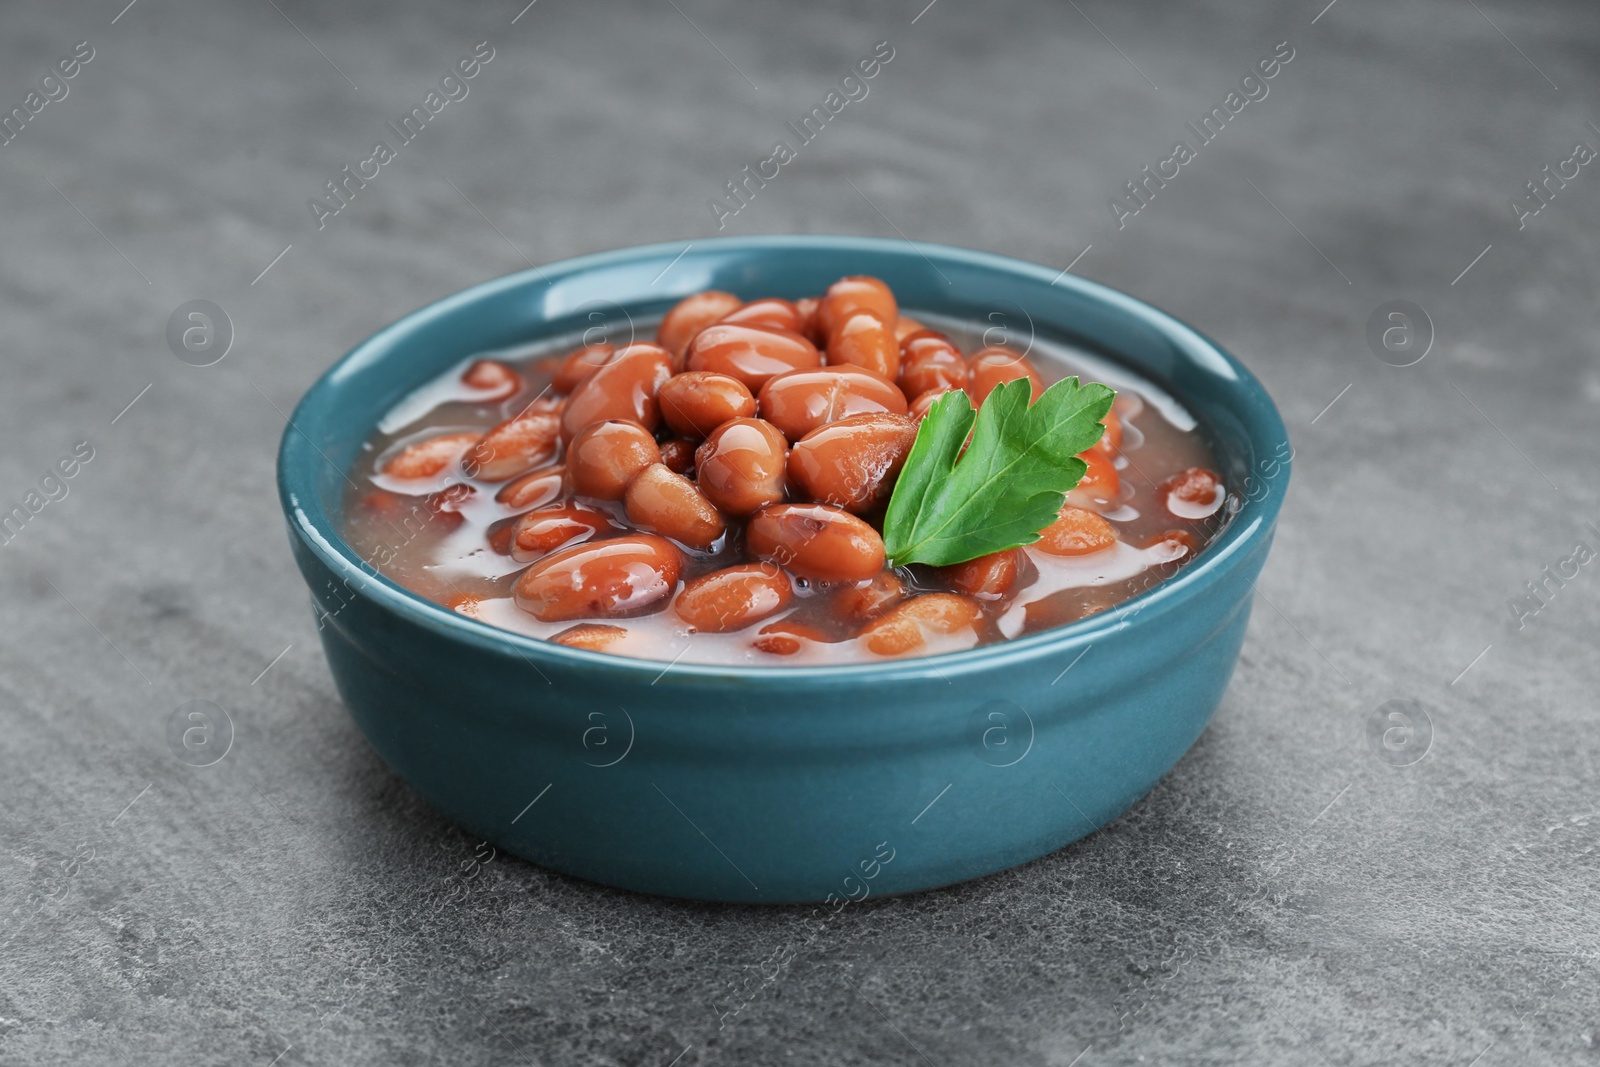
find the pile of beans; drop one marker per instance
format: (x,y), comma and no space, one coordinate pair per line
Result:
(735,472)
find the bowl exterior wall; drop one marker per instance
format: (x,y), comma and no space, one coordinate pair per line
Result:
(780,795)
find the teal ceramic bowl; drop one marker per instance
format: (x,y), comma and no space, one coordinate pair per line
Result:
(799,784)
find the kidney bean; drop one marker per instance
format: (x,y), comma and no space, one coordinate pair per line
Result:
(498,537)
(855,293)
(625,387)
(491,380)
(988,367)
(696,402)
(605,456)
(906,626)
(809,328)
(678,455)
(867,341)
(852,463)
(691,315)
(905,326)
(740,467)
(930,360)
(594,636)
(532,490)
(1111,441)
(751,354)
(666,503)
(425,459)
(529,439)
(1192,493)
(579,364)
(870,598)
(924,401)
(733,598)
(769,312)
(802,400)
(1100,485)
(1076,532)
(786,637)
(991,577)
(544,530)
(611,578)
(815,541)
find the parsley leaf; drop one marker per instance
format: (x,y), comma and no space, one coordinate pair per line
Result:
(950,506)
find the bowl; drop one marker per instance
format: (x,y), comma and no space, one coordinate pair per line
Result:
(781,784)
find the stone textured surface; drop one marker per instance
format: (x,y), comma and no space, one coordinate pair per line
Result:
(1285,896)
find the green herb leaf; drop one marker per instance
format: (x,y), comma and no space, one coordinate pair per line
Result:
(949,506)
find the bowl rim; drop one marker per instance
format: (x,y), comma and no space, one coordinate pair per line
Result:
(298,457)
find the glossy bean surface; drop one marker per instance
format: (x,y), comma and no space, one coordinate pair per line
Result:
(740,467)
(593,636)
(1077,532)
(1100,488)
(696,402)
(624,387)
(816,541)
(752,354)
(871,597)
(929,360)
(849,295)
(801,401)
(909,626)
(614,578)
(852,463)
(989,367)
(925,401)
(522,442)
(789,637)
(544,530)
(733,598)
(691,315)
(769,312)
(578,365)
(991,577)
(867,341)
(605,456)
(664,502)
(428,458)
(532,490)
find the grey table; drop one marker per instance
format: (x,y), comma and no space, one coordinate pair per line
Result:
(1297,891)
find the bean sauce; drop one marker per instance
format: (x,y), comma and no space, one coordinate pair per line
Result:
(716,493)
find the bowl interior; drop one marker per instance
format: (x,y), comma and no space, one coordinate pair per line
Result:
(629,289)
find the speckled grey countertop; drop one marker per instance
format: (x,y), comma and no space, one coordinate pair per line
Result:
(1293,893)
